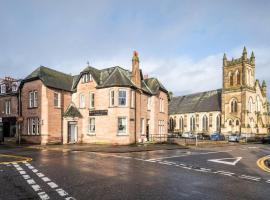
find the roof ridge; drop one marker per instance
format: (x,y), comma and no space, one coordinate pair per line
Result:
(196,93)
(44,67)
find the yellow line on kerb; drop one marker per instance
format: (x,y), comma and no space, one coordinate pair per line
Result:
(20,159)
(261,164)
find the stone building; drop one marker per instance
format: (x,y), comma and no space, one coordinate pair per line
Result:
(111,105)
(241,106)
(9,106)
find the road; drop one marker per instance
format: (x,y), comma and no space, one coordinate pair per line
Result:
(202,173)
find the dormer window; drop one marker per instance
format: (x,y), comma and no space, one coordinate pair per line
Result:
(87,78)
(14,88)
(3,89)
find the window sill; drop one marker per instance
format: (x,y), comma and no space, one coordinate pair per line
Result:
(32,107)
(91,134)
(122,134)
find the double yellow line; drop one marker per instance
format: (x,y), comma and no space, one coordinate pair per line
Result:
(17,159)
(261,163)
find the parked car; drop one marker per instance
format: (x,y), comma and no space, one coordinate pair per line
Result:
(266,139)
(217,137)
(234,138)
(188,135)
(203,136)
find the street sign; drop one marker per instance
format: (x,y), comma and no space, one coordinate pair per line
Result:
(227,161)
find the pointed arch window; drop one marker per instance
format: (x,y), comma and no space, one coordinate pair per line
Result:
(192,124)
(230,122)
(231,78)
(237,123)
(218,123)
(205,123)
(258,104)
(171,124)
(233,106)
(181,124)
(238,78)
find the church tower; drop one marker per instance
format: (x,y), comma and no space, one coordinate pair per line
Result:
(238,86)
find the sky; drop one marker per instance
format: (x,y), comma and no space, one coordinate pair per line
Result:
(179,42)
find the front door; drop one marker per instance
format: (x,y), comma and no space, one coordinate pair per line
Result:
(72,132)
(147,130)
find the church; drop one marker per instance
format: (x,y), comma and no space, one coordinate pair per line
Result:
(241,106)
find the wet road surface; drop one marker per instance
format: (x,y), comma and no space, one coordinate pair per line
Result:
(171,174)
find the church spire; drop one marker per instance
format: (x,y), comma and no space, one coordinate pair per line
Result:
(244,53)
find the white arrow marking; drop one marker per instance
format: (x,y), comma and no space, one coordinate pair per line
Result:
(223,160)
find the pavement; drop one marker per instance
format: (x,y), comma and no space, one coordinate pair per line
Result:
(216,172)
(103,147)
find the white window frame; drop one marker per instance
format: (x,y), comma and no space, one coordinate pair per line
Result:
(33,99)
(119,98)
(161,106)
(126,124)
(3,89)
(31,122)
(112,98)
(82,100)
(58,98)
(8,107)
(91,100)
(92,131)
(132,104)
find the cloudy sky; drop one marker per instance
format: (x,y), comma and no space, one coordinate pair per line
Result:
(180,42)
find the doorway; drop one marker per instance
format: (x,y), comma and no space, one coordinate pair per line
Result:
(147,130)
(72,132)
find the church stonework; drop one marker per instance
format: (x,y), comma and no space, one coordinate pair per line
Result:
(245,107)
(241,106)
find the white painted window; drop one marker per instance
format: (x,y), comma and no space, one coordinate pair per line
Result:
(57,100)
(192,124)
(181,124)
(122,97)
(142,126)
(112,99)
(33,126)
(87,78)
(92,100)
(82,101)
(122,125)
(33,99)
(132,105)
(161,127)
(7,107)
(92,126)
(14,87)
(148,103)
(3,88)
(205,123)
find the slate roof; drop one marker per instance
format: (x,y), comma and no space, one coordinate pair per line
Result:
(51,78)
(72,111)
(199,102)
(117,76)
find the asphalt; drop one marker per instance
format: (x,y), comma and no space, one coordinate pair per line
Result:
(159,174)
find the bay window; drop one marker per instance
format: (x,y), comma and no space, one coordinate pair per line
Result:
(122,125)
(122,97)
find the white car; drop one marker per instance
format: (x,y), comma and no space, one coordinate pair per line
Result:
(188,135)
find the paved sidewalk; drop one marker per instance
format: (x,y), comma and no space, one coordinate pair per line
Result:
(105,148)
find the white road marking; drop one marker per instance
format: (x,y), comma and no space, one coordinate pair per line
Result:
(36,188)
(61,192)
(43,196)
(52,185)
(22,172)
(222,160)
(268,181)
(40,175)
(46,179)
(31,181)
(26,176)
(250,177)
